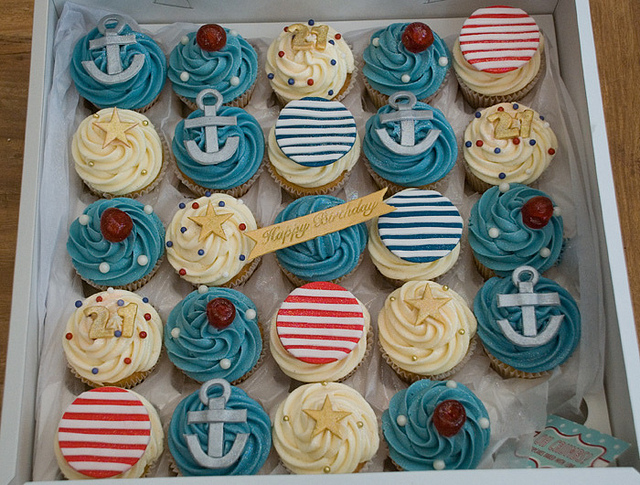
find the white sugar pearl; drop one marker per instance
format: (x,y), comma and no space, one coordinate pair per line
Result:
(545,124)
(184,40)
(405,78)
(557,211)
(175,332)
(240,201)
(84,219)
(184,76)
(110,290)
(234,81)
(225,274)
(528,171)
(250,314)
(203,289)
(401,420)
(143,260)
(376,42)
(438,465)
(494,232)
(504,187)
(148,209)
(484,423)
(443,61)
(225,364)
(545,252)
(452,384)
(104,267)
(233,33)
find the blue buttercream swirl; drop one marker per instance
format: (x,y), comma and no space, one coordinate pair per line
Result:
(528,359)
(199,347)
(258,426)
(231,173)
(213,69)
(411,170)
(417,444)
(88,248)
(386,63)
(517,244)
(137,92)
(324,258)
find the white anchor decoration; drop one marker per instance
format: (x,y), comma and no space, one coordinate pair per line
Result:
(112,41)
(216,416)
(528,299)
(213,154)
(407,116)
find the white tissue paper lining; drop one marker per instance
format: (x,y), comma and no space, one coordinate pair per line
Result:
(516,407)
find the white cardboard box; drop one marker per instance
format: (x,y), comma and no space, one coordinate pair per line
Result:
(578,68)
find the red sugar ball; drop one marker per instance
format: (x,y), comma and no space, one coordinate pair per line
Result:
(182,272)
(479,143)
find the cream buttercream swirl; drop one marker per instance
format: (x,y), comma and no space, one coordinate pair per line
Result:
(118,168)
(303,453)
(496,84)
(497,160)
(327,67)
(432,345)
(214,260)
(127,351)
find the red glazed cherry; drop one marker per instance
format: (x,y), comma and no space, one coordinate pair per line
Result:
(448,417)
(537,211)
(220,313)
(115,225)
(211,37)
(417,37)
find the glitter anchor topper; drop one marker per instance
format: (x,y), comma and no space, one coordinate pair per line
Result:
(407,117)
(216,416)
(213,154)
(112,41)
(528,299)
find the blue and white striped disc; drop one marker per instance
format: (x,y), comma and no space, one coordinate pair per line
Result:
(425,226)
(315,132)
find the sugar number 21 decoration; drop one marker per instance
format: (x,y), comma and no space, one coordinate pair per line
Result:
(103,326)
(302,39)
(504,128)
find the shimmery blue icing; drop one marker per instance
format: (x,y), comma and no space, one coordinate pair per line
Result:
(231,173)
(323,258)
(517,244)
(135,93)
(200,347)
(213,69)
(88,248)
(258,426)
(528,359)
(386,64)
(411,170)
(417,444)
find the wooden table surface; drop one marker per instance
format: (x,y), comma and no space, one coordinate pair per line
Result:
(618,47)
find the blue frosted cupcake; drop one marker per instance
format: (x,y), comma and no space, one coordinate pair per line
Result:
(523,344)
(214,334)
(213,58)
(405,57)
(419,157)
(136,77)
(244,442)
(436,425)
(324,258)
(116,243)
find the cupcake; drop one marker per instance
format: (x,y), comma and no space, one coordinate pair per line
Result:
(526,344)
(436,426)
(113,338)
(116,243)
(409,144)
(514,225)
(226,159)
(320,333)
(206,244)
(213,58)
(418,241)
(118,153)
(309,60)
(218,430)
(313,146)
(325,428)
(499,56)
(324,258)
(426,330)
(113,65)
(214,334)
(405,57)
(108,433)
(508,142)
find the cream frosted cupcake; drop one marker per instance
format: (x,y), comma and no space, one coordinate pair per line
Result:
(113,338)
(325,428)
(118,153)
(426,331)
(206,244)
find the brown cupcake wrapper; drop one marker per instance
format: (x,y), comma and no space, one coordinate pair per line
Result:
(361,468)
(133,286)
(127,383)
(93,107)
(300,282)
(474,182)
(507,372)
(244,274)
(239,102)
(146,108)
(296,191)
(393,188)
(486,273)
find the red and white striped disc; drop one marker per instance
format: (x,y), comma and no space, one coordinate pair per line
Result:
(320,322)
(104,432)
(499,39)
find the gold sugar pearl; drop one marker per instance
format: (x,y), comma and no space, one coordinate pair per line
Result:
(143,172)
(96,115)
(393,298)
(461,331)
(91,164)
(285,418)
(360,424)
(414,358)
(327,469)
(445,288)
(324,383)
(145,123)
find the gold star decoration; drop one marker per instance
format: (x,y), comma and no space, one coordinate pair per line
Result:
(428,305)
(211,223)
(326,418)
(115,129)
